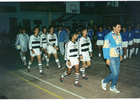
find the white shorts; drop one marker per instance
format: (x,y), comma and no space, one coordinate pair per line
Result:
(37,52)
(23,48)
(125,44)
(130,42)
(86,56)
(136,40)
(74,61)
(51,50)
(100,42)
(44,45)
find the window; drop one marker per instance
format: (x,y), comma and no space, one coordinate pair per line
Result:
(8,9)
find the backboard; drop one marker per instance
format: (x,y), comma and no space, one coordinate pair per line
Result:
(73,7)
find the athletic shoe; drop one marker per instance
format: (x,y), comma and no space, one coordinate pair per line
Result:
(103,85)
(78,85)
(114,90)
(47,67)
(42,73)
(61,79)
(85,77)
(29,70)
(60,67)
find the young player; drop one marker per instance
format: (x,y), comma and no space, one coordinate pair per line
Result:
(130,40)
(112,52)
(20,32)
(100,39)
(136,39)
(90,32)
(23,40)
(52,47)
(43,38)
(124,35)
(35,46)
(85,52)
(72,58)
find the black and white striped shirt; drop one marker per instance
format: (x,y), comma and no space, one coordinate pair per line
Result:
(52,40)
(84,45)
(43,38)
(71,50)
(34,42)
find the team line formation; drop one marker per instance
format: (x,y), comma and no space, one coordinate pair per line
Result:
(76,46)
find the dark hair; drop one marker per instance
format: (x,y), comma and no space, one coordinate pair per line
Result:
(115,24)
(124,26)
(83,28)
(72,34)
(68,27)
(43,27)
(101,26)
(35,27)
(23,28)
(51,27)
(89,24)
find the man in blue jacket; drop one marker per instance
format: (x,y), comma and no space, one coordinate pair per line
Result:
(61,37)
(90,32)
(112,52)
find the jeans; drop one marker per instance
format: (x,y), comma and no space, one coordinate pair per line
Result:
(114,68)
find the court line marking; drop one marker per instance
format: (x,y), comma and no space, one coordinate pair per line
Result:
(120,67)
(34,84)
(53,85)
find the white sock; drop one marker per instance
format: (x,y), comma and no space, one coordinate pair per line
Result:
(24,60)
(40,67)
(58,63)
(133,49)
(99,54)
(127,53)
(64,74)
(130,53)
(29,64)
(47,62)
(46,57)
(136,51)
(76,77)
(83,71)
(124,56)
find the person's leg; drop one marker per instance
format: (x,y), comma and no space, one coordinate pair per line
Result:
(24,57)
(137,48)
(77,76)
(83,68)
(57,60)
(99,50)
(21,55)
(40,64)
(45,55)
(60,47)
(125,52)
(65,73)
(133,47)
(131,51)
(30,62)
(48,58)
(115,79)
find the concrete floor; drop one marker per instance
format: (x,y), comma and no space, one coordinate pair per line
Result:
(17,83)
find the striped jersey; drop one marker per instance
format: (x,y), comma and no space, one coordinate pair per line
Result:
(52,40)
(34,42)
(71,50)
(84,45)
(43,38)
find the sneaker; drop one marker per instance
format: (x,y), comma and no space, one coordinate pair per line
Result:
(61,79)
(47,67)
(29,70)
(42,73)
(60,67)
(85,77)
(114,90)
(78,85)
(103,85)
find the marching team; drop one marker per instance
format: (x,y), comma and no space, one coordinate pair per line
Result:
(77,46)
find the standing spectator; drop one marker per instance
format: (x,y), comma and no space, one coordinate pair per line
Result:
(61,37)
(67,34)
(90,32)
(95,30)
